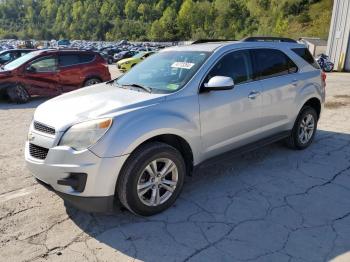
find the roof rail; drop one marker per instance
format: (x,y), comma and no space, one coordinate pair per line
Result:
(268,39)
(201,41)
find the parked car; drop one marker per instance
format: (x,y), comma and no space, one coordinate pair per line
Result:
(7,56)
(108,54)
(29,44)
(127,63)
(124,54)
(63,43)
(137,137)
(50,73)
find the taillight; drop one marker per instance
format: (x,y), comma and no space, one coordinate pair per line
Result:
(324,77)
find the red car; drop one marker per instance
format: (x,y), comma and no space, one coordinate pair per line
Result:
(50,73)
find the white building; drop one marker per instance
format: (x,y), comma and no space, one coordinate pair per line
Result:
(338,47)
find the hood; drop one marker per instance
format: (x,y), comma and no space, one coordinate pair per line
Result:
(126,60)
(90,103)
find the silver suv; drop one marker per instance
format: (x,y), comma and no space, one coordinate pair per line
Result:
(137,137)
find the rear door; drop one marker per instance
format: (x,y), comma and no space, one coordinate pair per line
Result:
(277,74)
(40,76)
(91,66)
(70,71)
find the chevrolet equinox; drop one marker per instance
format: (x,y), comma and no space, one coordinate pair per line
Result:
(135,138)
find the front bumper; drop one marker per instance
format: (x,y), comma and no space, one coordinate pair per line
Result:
(88,204)
(62,161)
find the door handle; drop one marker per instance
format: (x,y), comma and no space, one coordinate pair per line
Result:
(252,95)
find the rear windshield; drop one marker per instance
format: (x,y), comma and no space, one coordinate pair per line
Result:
(305,54)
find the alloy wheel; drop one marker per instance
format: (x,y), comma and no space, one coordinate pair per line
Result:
(306,128)
(157,182)
(21,93)
(93,81)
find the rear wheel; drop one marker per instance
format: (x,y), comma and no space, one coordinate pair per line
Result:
(92,81)
(151,179)
(304,129)
(18,94)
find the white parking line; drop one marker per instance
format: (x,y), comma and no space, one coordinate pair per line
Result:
(15,194)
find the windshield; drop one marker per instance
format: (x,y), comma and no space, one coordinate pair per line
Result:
(20,61)
(165,72)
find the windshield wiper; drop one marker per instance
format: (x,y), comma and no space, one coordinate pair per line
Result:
(145,88)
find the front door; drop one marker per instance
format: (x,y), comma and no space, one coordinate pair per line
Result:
(231,118)
(40,76)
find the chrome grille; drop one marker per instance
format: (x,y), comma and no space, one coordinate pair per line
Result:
(38,151)
(44,128)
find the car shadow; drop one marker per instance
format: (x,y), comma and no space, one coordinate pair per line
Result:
(33,103)
(262,204)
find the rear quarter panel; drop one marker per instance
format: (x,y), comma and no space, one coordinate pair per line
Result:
(310,84)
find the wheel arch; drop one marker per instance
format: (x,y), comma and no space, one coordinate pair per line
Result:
(315,103)
(87,78)
(176,141)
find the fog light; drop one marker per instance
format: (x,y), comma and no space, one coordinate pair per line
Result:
(76,180)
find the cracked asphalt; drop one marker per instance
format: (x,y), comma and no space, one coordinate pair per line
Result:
(272,204)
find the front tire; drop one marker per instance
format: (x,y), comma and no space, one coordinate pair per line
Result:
(152,179)
(304,129)
(18,94)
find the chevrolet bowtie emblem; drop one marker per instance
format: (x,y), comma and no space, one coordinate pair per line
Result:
(31,137)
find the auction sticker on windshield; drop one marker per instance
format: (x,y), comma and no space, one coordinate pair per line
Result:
(184,65)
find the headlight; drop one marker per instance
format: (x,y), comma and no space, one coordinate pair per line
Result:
(85,134)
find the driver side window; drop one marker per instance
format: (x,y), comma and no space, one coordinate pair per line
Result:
(236,65)
(44,65)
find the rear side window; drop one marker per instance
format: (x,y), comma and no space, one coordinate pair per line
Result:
(68,60)
(271,63)
(75,59)
(86,58)
(236,65)
(304,53)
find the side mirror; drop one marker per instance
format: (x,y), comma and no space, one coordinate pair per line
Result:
(218,83)
(31,69)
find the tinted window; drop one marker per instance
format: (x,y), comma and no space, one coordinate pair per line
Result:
(236,65)
(271,63)
(86,58)
(292,66)
(305,54)
(68,60)
(44,65)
